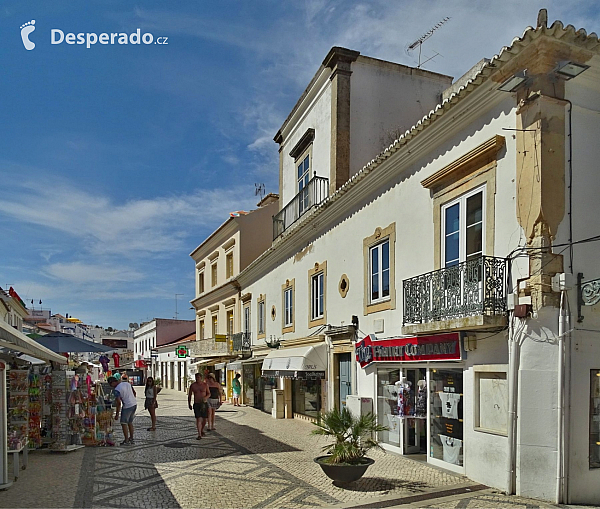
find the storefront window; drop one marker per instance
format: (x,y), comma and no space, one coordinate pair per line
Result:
(595,418)
(387,405)
(446,390)
(307,397)
(269,383)
(249,384)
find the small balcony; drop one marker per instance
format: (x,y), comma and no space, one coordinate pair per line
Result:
(241,343)
(314,193)
(470,295)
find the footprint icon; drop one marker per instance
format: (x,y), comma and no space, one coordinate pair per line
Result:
(26,29)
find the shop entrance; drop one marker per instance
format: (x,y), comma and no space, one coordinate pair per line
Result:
(402,407)
(345,376)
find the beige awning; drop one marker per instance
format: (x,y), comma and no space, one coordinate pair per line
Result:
(15,340)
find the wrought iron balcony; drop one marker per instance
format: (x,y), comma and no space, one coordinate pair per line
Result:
(314,193)
(241,342)
(473,288)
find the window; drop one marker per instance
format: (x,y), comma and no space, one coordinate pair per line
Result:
(201,329)
(317,283)
(595,418)
(491,399)
(288,305)
(380,272)
(230,323)
(229,262)
(261,308)
(317,296)
(247,318)
(213,274)
(303,179)
(201,282)
(463,228)
(215,323)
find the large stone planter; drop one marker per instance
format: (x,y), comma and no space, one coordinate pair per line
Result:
(344,473)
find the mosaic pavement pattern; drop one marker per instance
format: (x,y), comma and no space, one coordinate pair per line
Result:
(251,461)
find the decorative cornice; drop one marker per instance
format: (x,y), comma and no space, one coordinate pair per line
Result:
(305,141)
(472,160)
(338,54)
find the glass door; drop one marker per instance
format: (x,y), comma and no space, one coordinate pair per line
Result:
(446,418)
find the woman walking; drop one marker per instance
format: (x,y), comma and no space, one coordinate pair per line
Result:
(151,403)
(214,401)
(236,385)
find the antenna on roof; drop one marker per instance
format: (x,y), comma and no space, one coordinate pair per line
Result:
(260,190)
(419,42)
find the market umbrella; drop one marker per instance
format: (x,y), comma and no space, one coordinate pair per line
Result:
(60,342)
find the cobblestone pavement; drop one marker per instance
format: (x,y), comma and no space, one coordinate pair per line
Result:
(251,461)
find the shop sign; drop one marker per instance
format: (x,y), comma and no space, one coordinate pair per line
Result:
(298,375)
(220,338)
(2,366)
(440,347)
(182,352)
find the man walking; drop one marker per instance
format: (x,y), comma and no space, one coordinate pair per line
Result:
(201,394)
(126,406)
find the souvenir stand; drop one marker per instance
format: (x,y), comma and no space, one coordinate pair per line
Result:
(67,412)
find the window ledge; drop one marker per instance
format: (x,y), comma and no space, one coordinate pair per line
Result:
(289,328)
(491,431)
(316,322)
(464,323)
(378,306)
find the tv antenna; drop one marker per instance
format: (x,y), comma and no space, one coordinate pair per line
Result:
(419,42)
(176,313)
(260,190)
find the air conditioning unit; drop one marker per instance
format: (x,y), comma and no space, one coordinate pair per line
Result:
(358,405)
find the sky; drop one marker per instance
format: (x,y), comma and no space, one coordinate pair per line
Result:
(117,160)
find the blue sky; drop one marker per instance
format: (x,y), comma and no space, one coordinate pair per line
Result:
(118,160)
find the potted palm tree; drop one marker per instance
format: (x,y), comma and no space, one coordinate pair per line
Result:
(352,437)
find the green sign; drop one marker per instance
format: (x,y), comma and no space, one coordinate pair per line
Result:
(182,352)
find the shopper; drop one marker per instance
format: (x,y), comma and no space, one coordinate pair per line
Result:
(151,403)
(236,385)
(214,401)
(201,393)
(126,406)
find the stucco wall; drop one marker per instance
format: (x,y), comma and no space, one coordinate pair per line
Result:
(386,96)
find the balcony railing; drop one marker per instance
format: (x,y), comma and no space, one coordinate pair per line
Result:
(314,193)
(473,288)
(241,342)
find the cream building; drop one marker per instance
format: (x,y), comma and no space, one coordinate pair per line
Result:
(453,279)
(218,303)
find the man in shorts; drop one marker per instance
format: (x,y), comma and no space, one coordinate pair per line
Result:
(126,406)
(201,394)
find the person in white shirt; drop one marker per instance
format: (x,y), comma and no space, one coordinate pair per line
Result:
(125,399)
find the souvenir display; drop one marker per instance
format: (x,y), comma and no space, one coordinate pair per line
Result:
(35,411)
(18,409)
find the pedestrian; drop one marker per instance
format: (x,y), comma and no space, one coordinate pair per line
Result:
(126,406)
(151,404)
(214,401)
(236,385)
(201,393)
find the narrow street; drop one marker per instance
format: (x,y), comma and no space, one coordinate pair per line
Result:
(251,460)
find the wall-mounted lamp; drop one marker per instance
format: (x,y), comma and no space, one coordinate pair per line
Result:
(568,69)
(514,82)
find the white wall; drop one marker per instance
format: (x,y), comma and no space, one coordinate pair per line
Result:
(385,96)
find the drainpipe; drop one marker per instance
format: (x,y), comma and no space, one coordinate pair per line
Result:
(563,321)
(513,355)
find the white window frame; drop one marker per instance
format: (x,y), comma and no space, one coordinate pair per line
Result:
(462,201)
(379,248)
(247,319)
(317,294)
(288,307)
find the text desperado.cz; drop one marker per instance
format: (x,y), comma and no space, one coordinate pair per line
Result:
(57,36)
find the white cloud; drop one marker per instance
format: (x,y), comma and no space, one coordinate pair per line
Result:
(135,229)
(77,272)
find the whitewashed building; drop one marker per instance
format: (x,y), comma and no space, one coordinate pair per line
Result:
(441,278)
